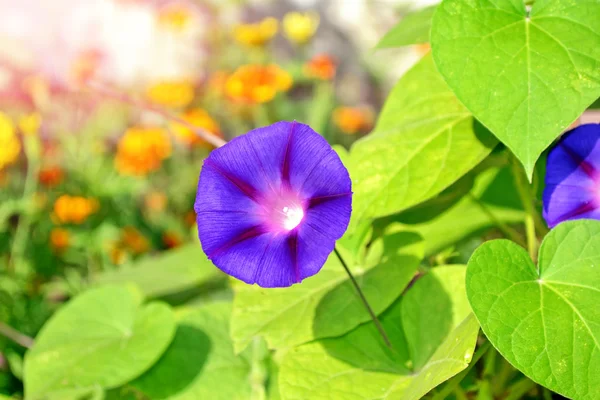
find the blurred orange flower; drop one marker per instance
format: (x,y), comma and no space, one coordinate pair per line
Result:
(74,209)
(352,120)
(321,66)
(51,176)
(142,150)
(134,241)
(171,239)
(300,28)
(59,239)
(422,49)
(216,82)
(257,83)
(190,218)
(257,34)
(155,201)
(196,117)
(10,147)
(174,94)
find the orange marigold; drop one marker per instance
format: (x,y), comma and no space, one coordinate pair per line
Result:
(134,241)
(321,66)
(196,117)
(142,150)
(171,239)
(257,34)
(10,147)
(59,239)
(74,209)
(257,83)
(352,120)
(175,94)
(155,201)
(51,176)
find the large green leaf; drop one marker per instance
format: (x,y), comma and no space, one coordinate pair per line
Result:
(412,29)
(525,77)
(545,322)
(491,200)
(424,141)
(200,363)
(433,337)
(170,272)
(104,338)
(326,304)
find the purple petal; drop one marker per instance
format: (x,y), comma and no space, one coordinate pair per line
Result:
(572,176)
(268,260)
(271,204)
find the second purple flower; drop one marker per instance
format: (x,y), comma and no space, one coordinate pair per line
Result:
(271,204)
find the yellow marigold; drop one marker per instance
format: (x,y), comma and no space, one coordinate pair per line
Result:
(142,150)
(321,66)
(257,34)
(176,16)
(59,239)
(134,241)
(300,28)
(30,124)
(10,147)
(351,120)
(175,94)
(74,209)
(196,117)
(257,83)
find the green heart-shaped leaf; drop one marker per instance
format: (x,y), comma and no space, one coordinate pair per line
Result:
(326,304)
(103,338)
(525,75)
(432,337)
(547,322)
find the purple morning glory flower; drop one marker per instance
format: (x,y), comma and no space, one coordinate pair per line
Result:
(573,176)
(271,204)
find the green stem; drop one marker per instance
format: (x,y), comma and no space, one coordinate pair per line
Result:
(32,152)
(453,383)
(527,199)
(364,300)
(519,389)
(15,336)
(509,232)
(499,380)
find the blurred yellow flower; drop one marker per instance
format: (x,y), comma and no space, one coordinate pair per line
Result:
(321,66)
(59,239)
(30,124)
(10,147)
(142,150)
(257,83)
(196,117)
(352,120)
(74,209)
(174,94)
(176,16)
(257,34)
(300,27)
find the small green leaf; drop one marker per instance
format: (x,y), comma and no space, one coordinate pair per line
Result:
(492,199)
(433,338)
(412,29)
(104,338)
(170,272)
(545,322)
(200,363)
(525,75)
(424,141)
(326,304)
